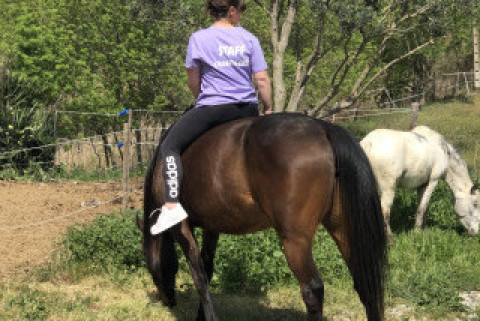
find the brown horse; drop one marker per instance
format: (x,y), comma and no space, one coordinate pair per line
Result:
(288,172)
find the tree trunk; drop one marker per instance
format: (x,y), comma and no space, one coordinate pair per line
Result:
(279,92)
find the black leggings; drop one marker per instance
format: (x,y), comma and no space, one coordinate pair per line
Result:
(189,127)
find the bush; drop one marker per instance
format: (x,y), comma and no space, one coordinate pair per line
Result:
(243,263)
(108,241)
(24,124)
(428,268)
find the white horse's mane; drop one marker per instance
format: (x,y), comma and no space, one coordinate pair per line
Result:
(457,173)
(457,176)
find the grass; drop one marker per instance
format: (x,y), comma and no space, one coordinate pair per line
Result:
(458,122)
(99,298)
(428,269)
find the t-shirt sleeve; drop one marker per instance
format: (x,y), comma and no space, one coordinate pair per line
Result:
(193,58)
(258,60)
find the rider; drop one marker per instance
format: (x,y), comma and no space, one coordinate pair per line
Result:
(222,61)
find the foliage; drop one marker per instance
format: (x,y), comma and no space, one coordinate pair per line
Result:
(111,240)
(440,211)
(80,174)
(23,125)
(104,56)
(428,268)
(99,56)
(249,263)
(32,304)
(256,262)
(28,303)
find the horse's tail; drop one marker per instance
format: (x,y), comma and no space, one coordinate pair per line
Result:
(148,198)
(159,250)
(361,205)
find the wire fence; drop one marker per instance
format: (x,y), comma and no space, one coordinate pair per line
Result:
(380,101)
(135,144)
(105,151)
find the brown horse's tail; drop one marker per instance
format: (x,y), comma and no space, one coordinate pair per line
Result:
(159,250)
(361,204)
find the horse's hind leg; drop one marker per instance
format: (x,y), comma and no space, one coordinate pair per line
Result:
(298,251)
(183,235)
(388,194)
(209,245)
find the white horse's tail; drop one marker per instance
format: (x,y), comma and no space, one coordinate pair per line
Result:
(366,144)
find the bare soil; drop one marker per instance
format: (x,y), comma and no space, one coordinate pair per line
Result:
(34,215)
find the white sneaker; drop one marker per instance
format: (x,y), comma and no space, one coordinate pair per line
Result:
(168,218)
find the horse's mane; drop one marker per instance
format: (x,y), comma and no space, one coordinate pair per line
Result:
(457,169)
(457,165)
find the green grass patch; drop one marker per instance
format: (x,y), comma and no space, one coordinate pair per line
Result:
(99,271)
(458,122)
(24,302)
(250,263)
(440,212)
(430,268)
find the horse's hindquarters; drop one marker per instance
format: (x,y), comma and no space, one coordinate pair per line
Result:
(291,171)
(215,189)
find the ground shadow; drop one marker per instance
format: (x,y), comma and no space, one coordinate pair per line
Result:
(231,307)
(440,211)
(403,211)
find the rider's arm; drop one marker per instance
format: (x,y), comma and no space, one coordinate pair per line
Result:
(262,81)
(194,80)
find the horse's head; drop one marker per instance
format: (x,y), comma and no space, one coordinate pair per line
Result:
(468,211)
(162,261)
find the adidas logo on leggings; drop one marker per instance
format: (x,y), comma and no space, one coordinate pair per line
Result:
(172,174)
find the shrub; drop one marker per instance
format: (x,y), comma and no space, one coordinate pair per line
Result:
(243,263)
(110,240)
(23,124)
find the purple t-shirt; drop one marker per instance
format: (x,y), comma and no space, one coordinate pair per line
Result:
(227,58)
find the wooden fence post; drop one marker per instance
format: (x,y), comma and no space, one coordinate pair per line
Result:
(126,158)
(476,56)
(415,107)
(466,83)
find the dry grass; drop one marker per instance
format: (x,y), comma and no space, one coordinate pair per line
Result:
(132,297)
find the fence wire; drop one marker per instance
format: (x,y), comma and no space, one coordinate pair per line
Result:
(111,143)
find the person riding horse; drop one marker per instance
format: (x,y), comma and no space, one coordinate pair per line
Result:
(221,62)
(244,174)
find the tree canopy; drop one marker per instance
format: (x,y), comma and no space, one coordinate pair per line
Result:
(96,55)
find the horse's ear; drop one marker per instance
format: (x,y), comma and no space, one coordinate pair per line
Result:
(474,188)
(139,222)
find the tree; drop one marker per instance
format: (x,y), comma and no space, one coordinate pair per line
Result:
(348,41)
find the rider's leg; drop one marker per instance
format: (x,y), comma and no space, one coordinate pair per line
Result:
(190,126)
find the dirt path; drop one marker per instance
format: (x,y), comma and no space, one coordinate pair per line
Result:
(34,215)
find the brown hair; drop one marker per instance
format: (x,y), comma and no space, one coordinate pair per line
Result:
(219,8)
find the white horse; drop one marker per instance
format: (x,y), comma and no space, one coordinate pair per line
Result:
(418,159)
